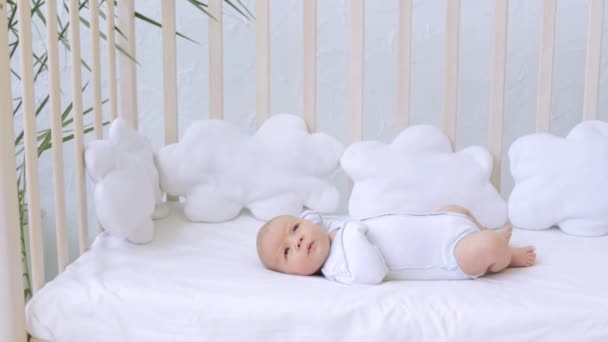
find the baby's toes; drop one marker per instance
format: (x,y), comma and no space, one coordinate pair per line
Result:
(531,258)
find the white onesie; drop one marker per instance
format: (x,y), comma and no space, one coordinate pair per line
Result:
(394,246)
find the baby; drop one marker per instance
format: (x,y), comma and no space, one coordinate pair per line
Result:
(447,244)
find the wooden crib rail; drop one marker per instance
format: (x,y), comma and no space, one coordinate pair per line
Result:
(262,47)
(216,65)
(450,87)
(31,146)
(497,88)
(594,54)
(169,71)
(128,75)
(113,96)
(545,66)
(309,58)
(404,64)
(96,67)
(57,138)
(12,314)
(357,29)
(81,196)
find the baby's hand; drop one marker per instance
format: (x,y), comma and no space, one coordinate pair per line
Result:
(365,261)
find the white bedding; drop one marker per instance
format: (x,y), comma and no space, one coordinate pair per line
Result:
(203,282)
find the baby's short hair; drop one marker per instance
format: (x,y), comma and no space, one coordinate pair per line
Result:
(260,237)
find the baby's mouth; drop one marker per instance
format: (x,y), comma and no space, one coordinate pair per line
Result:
(310,246)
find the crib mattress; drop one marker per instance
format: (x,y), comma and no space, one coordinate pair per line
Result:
(203,282)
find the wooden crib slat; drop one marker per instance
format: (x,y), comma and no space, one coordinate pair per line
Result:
(31,146)
(262,22)
(12,313)
(545,67)
(169,75)
(56,135)
(112,59)
(169,71)
(216,65)
(594,56)
(96,71)
(96,68)
(404,64)
(450,94)
(81,198)
(309,74)
(128,76)
(356,68)
(497,88)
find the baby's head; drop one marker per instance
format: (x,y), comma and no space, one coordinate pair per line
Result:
(293,245)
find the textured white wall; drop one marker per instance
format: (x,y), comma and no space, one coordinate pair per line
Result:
(380,78)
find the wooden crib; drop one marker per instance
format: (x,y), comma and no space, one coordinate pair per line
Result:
(123,102)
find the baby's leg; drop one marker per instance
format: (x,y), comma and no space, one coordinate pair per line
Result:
(464,211)
(489,250)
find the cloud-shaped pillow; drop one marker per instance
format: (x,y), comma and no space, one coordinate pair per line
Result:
(127,194)
(562,181)
(418,172)
(280,169)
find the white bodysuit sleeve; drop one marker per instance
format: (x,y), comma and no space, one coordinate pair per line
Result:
(364,260)
(312,216)
(328,222)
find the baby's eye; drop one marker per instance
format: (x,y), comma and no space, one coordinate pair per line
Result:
(297,225)
(286,251)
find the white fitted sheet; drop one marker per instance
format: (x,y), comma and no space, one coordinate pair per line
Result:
(203,282)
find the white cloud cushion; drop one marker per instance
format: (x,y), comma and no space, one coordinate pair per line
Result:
(562,181)
(127,195)
(280,169)
(418,172)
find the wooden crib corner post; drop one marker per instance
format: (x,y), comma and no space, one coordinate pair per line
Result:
(12,303)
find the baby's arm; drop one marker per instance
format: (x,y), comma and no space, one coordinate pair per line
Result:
(365,262)
(464,211)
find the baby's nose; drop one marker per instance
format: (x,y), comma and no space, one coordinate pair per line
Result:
(299,242)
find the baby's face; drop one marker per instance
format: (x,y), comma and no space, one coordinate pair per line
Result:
(293,245)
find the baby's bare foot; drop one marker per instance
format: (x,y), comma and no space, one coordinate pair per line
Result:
(523,256)
(506,232)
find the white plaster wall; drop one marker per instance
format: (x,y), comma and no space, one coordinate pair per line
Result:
(380,64)
(332,74)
